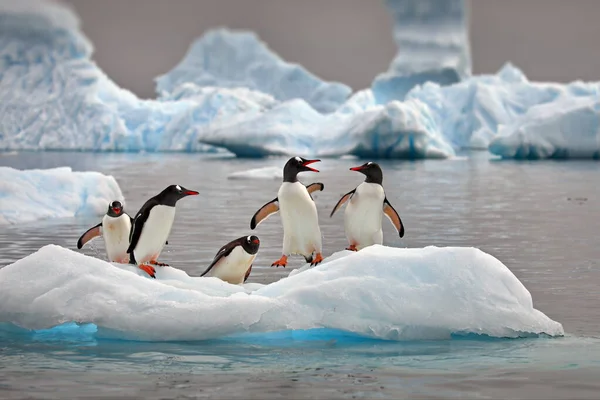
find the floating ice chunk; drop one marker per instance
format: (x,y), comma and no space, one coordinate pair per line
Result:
(433,46)
(359,127)
(379,292)
(289,128)
(265,173)
(36,194)
(404,130)
(469,113)
(235,59)
(569,128)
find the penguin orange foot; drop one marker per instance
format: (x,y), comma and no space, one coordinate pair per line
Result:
(318,258)
(352,247)
(149,269)
(282,262)
(159,264)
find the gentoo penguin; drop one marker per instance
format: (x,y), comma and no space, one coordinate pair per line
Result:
(233,261)
(114,229)
(301,232)
(151,227)
(365,210)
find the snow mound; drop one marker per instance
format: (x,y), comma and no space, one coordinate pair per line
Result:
(470,113)
(36,194)
(360,127)
(569,128)
(433,42)
(379,292)
(265,173)
(234,59)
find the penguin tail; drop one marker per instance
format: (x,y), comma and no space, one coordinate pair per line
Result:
(308,259)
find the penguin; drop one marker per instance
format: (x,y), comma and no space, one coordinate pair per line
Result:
(233,262)
(301,232)
(151,227)
(365,209)
(114,229)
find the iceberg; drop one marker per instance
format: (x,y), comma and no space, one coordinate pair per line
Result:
(379,292)
(239,59)
(470,113)
(36,194)
(360,127)
(54,97)
(433,46)
(569,128)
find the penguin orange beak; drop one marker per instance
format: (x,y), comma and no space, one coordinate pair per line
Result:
(191,193)
(256,241)
(357,168)
(116,210)
(307,162)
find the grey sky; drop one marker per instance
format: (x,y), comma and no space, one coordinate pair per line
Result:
(344,40)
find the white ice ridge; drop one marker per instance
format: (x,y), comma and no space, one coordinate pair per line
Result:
(379,292)
(264,173)
(34,194)
(239,59)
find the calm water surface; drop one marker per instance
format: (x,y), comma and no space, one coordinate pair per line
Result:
(539,218)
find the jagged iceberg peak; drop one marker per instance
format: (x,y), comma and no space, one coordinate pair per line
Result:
(41,24)
(433,42)
(231,59)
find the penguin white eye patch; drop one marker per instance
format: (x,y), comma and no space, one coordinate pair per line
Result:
(178,187)
(298,159)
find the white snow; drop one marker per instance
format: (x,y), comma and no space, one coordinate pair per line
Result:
(379,292)
(35,194)
(265,173)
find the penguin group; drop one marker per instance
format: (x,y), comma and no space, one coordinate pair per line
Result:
(141,239)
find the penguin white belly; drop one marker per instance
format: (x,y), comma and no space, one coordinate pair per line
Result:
(155,233)
(301,232)
(363,215)
(115,232)
(233,268)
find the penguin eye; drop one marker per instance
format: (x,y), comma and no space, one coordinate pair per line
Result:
(248,239)
(298,159)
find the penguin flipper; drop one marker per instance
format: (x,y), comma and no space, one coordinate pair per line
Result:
(341,202)
(223,252)
(313,187)
(393,216)
(264,212)
(91,233)
(247,273)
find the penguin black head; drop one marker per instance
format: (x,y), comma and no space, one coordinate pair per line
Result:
(250,244)
(372,171)
(174,193)
(115,209)
(294,166)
